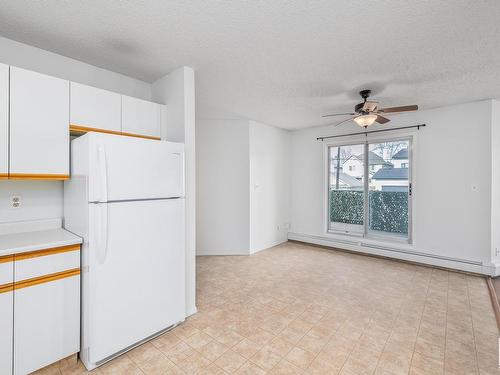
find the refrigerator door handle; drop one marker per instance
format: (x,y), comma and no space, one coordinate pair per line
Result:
(102,230)
(103,174)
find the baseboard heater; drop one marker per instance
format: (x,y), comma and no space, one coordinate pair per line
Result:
(383,248)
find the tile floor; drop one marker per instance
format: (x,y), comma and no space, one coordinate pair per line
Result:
(296,309)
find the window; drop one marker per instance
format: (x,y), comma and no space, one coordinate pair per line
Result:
(377,202)
(352,168)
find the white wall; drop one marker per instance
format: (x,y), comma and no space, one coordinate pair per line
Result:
(452,154)
(495,183)
(222,191)
(39,200)
(39,60)
(243,186)
(177,90)
(269,186)
(43,199)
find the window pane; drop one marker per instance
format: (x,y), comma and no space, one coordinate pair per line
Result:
(389,182)
(346,185)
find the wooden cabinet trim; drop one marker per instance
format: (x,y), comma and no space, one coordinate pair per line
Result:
(7,258)
(141,136)
(46,278)
(78,129)
(45,252)
(35,176)
(5,288)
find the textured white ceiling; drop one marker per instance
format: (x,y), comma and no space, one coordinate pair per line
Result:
(281,62)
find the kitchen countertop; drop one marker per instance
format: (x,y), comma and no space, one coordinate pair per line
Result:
(13,243)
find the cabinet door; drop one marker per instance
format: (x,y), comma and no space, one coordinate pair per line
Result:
(163,122)
(91,107)
(39,117)
(140,117)
(6,314)
(4,121)
(46,309)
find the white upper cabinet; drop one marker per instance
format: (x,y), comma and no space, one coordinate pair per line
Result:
(4,120)
(39,118)
(163,122)
(91,107)
(140,117)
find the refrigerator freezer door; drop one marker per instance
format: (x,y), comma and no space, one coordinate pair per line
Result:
(127,168)
(136,278)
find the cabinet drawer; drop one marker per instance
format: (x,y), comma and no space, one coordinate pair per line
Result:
(6,269)
(45,262)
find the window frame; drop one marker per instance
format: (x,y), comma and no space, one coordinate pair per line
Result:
(366,141)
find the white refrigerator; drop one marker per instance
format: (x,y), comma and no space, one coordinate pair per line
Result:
(126,199)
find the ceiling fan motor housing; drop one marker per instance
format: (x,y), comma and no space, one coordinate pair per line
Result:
(365,94)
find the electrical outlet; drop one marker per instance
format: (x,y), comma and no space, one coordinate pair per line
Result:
(497,251)
(15,201)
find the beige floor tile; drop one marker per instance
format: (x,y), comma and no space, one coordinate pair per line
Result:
(421,364)
(144,353)
(213,350)
(279,346)
(300,309)
(300,358)
(250,368)
(230,361)
(198,340)
(265,358)
(121,365)
(179,352)
(193,364)
(285,368)
(212,369)
(247,348)
(165,341)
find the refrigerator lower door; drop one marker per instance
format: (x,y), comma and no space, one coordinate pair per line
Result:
(136,274)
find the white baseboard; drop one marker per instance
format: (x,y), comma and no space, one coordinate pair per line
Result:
(268,246)
(400,253)
(495,266)
(203,253)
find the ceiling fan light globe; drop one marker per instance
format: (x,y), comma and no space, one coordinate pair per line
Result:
(365,120)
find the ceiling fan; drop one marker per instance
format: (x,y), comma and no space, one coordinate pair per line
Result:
(367,112)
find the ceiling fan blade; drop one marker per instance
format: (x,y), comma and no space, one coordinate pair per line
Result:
(369,106)
(344,121)
(382,119)
(339,114)
(404,108)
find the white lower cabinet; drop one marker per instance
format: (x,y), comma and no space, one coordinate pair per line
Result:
(47,324)
(6,315)
(39,308)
